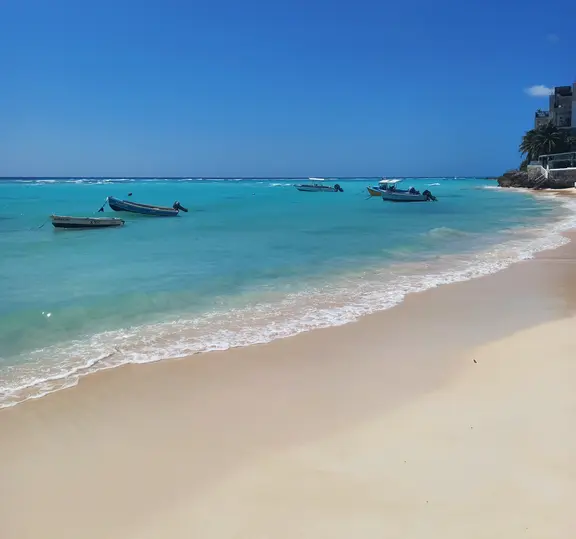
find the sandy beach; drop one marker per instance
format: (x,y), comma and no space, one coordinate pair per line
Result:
(287,270)
(449,416)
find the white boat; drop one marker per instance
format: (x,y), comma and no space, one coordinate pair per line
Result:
(315,186)
(376,190)
(63,221)
(390,193)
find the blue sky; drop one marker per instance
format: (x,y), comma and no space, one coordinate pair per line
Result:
(254,88)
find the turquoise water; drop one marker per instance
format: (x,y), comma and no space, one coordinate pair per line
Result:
(253,260)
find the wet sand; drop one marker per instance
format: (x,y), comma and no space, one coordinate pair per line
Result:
(381,428)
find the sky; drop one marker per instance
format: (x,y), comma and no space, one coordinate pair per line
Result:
(275,88)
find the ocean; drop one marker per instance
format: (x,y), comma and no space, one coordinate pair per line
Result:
(253,260)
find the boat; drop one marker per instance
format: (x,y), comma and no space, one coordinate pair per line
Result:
(390,193)
(376,190)
(64,221)
(315,186)
(144,209)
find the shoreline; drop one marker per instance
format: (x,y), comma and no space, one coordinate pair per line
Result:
(161,449)
(473,266)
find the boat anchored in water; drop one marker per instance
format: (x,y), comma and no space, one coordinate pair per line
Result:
(315,186)
(376,190)
(64,221)
(390,193)
(144,209)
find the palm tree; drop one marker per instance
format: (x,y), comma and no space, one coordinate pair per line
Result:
(549,139)
(542,140)
(528,145)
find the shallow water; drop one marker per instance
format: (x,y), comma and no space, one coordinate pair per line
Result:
(253,260)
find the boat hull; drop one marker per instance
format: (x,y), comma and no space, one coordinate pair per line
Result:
(316,188)
(62,221)
(402,197)
(142,209)
(374,192)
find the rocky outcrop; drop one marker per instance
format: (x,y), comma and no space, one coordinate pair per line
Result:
(515,178)
(557,179)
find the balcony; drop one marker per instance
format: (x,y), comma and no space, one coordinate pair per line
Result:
(563,91)
(558,160)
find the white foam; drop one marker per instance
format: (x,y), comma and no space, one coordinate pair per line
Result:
(343,300)
(446,232)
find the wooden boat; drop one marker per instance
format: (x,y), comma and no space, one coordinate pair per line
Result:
(63,221)
(145,209)
(315,187)
(390,193)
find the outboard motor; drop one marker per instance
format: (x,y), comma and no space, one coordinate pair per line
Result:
(338,189)
(429,196)
(178,206)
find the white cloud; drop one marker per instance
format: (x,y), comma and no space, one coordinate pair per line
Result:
(539,90)
(553,38)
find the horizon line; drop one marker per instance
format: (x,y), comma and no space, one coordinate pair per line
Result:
(230,177)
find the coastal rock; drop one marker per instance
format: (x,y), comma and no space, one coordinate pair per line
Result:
(557,179)
(514,178)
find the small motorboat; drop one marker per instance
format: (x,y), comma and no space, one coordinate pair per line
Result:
(144,209)
(376,190)
(315,186)
(63,221)
(390,193)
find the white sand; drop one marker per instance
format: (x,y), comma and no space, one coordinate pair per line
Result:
(491,455)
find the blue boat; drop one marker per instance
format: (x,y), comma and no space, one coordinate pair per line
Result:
(145,209)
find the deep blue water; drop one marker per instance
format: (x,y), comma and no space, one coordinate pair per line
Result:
(251,261)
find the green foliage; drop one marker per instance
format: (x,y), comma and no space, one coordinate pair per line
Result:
(546,139)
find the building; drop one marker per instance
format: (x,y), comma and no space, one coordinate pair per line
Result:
(541,117)
(562,109)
